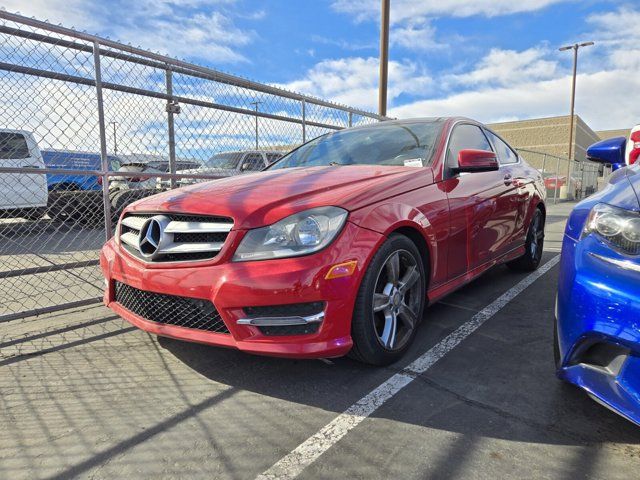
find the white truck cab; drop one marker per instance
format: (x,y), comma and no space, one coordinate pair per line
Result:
(21,194)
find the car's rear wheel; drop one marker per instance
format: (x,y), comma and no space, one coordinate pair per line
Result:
(534,245)
(390,303)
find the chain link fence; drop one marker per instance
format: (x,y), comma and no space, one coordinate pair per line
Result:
(88,125)
(583,179)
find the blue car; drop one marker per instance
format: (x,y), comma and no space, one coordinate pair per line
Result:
(597,337)
(73,160)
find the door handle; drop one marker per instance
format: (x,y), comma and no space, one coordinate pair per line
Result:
(30,166)
(508,179)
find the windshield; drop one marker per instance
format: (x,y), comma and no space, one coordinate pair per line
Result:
(224,160)
(400,144)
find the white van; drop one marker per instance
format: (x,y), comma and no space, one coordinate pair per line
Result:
(21,194)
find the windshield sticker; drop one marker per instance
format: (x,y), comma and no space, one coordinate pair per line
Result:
(413,162)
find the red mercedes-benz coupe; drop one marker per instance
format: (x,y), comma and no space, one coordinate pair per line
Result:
(336,248)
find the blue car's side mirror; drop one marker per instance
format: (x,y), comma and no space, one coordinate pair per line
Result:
(611,151)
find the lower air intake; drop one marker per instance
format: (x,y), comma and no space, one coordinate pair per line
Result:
(170,309)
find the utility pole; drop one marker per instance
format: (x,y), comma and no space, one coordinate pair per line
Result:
(384,59)
(255,104)
(115,139)
(575,48)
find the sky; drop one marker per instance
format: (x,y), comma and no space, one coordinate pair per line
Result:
(492,60)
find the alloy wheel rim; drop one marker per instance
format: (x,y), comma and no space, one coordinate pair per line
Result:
(396,300)
(537,230)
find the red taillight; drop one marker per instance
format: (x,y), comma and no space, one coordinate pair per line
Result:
(635,148)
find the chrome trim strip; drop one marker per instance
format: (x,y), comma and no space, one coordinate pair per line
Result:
(197,227)
(192,247)
(130,239)
(281,321)
(134,222)
(624,264)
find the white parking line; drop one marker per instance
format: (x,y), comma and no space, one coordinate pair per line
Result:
(310,450)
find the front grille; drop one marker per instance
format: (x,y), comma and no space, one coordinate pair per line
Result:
(170,309)
(284,330)
(181,237)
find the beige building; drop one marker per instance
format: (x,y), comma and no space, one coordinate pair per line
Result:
(604,134)
(548,135)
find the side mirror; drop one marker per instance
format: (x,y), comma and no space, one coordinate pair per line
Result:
(610,151)
(476,161)
(245,166)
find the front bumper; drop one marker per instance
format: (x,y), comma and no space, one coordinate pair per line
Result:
(599,325)
(234,287)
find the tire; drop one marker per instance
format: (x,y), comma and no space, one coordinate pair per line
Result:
(534,245)
(383,333)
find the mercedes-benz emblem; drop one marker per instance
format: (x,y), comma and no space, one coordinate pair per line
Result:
(152,236)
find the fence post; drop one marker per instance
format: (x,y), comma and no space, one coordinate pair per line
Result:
(555,191)
(171,129)
(106,204)
(544,162)
(350,119)
(304,120)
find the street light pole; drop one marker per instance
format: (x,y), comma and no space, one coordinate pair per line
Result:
(575,48)
(115,139)
(255,104)
(384,58)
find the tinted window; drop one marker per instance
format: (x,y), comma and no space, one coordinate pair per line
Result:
(224,160)
(401,144)
(272,157)
(13,145)
(503,151)
(252,162)
(465,137)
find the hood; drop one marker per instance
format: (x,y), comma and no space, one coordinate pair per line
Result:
(262,198)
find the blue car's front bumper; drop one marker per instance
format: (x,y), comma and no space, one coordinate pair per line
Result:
(598,315)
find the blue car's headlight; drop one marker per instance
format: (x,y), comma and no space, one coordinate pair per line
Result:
(299,234)
(618,227)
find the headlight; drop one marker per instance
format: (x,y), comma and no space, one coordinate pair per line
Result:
(300,234)
(618,227)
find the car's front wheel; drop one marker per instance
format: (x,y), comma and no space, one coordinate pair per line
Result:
(390,303)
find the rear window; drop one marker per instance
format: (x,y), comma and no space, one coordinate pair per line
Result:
(13,145)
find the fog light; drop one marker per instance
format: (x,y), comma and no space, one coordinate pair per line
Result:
(342,270)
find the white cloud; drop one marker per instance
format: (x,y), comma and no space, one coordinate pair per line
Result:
(416,34)
(408,9)
(602,99)
(505,67)
(176,27)
(354,81)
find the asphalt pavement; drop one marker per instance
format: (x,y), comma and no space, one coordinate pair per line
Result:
(84,394)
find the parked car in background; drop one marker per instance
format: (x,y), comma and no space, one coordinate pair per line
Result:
(21,194)
(554,181)
(335,248)
(228,164)
(137,182)
(597,338)
(632,149)
(76,160)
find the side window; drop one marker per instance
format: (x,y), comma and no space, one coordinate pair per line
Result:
(252,162)
(272,157)
(13,145)
(504,152)
(465,137)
